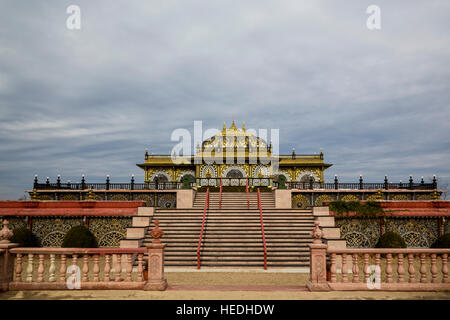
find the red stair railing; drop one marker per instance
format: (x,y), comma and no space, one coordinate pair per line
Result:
(206,207)
(248,195)
(262,229)
(220,195)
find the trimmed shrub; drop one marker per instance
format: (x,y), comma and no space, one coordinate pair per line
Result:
(25,238)
(390,240)
(79,237)
(368,209)
(442,242)
(281,182)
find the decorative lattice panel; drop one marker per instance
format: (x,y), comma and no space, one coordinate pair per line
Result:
(51,231)
(109,230)
(359,233)
(417,233)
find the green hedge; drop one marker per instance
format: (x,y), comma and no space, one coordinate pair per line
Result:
(390,240)
(368,209)
(442,242)
(79,237)
(25,238)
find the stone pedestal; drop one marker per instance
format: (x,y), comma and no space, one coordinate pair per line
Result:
(6,265)
(318,268)
(156,280)
(283,199)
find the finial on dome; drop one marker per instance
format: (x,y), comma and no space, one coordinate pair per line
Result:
(233,126)
(243,126)
(224,127)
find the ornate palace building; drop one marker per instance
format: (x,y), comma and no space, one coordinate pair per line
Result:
(302,174)
(232,193)
(207,164)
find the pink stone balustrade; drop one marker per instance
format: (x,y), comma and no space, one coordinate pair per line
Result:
(46,268)
(401,269)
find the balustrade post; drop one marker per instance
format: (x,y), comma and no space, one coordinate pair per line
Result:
(355,268)
(107,267)
(85,268)
(423,268)
(366,267)
(40,277)
(378,261)
(96,268)
(400,268)
(344,270)
(118,268)
(18,270)
(30,268)
(62,269)
(317,265)
(140,268)
(389,267)
(52,269)
(444,268)
(411,270)
(333,268)
(129,266)
(433,268)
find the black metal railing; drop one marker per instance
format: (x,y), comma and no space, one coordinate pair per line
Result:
(386,185)
(83,185)
(225,182)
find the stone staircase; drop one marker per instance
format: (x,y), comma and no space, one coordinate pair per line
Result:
(232,236)
(234,200)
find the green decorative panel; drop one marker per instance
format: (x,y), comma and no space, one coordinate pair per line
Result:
(319,200)
(167,200)
(109,230)
(359,233)
(300,201)
(70,196)
(46,196)
(118,197)
(417,233)
(51,231)
(149,198)
(350,197)
(400,197)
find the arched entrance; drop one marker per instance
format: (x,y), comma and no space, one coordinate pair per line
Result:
(234,173)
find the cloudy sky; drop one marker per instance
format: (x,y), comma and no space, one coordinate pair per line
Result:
(90,101)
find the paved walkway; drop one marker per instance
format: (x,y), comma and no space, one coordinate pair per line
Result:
(225,284)
(218,294)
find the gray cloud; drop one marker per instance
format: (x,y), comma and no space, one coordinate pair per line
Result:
(91,101)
